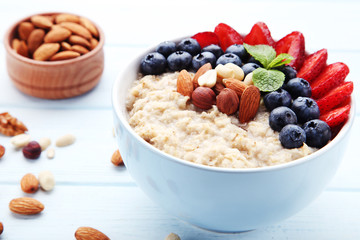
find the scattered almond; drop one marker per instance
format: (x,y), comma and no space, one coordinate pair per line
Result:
(203,69)
(77,29)
(89,233)
(24,30)
(236,85)
(2,151)
(35,39)
(46,180)
(29,183)
(116,158)
(65,17)
(57,35)
(46,51)
(65,140)
(184,83)
(89,26)
(26,206)
(41,21)
(249,103)
(64,55)
(20,140)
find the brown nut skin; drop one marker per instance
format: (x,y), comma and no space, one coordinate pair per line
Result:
(29,183)
(89,233)
(2,151)
(32,150)
(116,158)
(203,97)
(227,101)
(1,228)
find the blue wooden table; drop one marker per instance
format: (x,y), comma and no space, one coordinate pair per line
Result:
(90,191)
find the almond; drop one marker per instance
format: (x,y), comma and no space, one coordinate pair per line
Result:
(203,97)
(41,21)
(65,46)
(26,206)
(89,233)
(24,30)
(89,26)
(2,151)
(1,228)
(80,49)
(184,83)
(57,35)
(203,69)
(65,17)
(23,49)
(75,39)
(77,29)
(227,101)
(208,79)
(35,39)
(93,43)
(116,158)
(64,55)
(15,44)
(29,183)
(249,103)
(46,51)
(235,84)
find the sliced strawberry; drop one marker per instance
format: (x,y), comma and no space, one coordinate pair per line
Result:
(227,36)
(336,116)
(293,44)
(259,34)
(335,97)
(313,65)
(330,77)
(206,38)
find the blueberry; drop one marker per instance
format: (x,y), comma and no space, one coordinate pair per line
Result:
(189,45)
(317,132)
(249,67)
(229,58)
(276,99)
(289,72)
(306,109)
(153,63)
(238,50)
(292,136)
(179,60)
(298,87)
(215,49)
(202,58)
(280,117)
(253,60)
(166,48)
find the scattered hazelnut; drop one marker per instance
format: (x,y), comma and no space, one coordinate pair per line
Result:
(1,228)
(2,151)
(227,101)
(29,183)
(32,150)
(116,158)
(203,97)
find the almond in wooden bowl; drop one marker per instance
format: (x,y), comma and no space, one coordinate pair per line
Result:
(38,63)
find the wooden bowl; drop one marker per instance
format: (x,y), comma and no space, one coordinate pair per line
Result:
(54,79)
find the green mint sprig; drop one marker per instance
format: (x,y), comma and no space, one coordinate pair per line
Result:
(268,79)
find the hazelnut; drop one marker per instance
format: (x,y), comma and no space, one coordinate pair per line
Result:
(2,151)
(29,183)
(32,150)
(227,101)
(218,87)
(203,97)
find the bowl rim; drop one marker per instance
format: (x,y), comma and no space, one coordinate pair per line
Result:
(9,34)
(123,119)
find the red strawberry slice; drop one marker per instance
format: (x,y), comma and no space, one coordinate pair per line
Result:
(227,36)
(331,76)
(206,38)
(313,65)
(293,44)
(336,116)
(259,34)
(335,97)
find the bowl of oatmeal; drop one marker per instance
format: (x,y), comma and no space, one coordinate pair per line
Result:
(206,167)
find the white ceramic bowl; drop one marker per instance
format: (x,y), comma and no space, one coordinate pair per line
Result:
(219,199)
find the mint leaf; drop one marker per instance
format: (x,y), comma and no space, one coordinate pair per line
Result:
(281,59)
(263,53)
(268,80)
